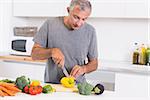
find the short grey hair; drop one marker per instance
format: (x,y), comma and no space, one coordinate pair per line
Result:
(82,3)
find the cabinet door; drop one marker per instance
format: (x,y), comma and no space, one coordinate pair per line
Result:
(107,8)
(31,8)
(130,85)
(120,8)
(14,69)
(136,8)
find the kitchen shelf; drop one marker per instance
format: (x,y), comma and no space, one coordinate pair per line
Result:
(14,58)
(124,67)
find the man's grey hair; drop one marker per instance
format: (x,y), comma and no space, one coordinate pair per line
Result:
(84,4)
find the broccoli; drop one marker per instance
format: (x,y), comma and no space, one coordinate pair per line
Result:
(85,88)
(21,82)
(7,81)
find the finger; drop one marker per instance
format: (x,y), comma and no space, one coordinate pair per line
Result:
(71,71)
(54,59)
(59,65)
(74,71)
(58,61)
(77,73)
(62,63)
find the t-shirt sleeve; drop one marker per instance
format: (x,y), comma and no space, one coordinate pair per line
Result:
(92,51)
(42,35)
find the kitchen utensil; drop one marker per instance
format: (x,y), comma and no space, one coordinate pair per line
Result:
(65,71)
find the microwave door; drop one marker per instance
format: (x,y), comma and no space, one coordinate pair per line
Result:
(19,45)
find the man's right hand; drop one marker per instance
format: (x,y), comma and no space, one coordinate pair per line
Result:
(58,57)
(40,53)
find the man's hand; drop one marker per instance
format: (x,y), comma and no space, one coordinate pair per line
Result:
(58,57)
(77,71)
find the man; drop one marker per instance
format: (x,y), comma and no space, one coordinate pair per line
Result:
(67,42)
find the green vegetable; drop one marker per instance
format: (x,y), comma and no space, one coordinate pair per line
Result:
(98,89)
(47,89)
(85,88)
(7,81)
(21,82)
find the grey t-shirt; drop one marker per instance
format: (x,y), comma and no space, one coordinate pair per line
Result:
(76,45)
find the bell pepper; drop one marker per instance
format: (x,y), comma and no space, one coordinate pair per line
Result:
(68,82)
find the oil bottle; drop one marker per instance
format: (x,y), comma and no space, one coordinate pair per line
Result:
(148,56)
(142,55)
(135,56)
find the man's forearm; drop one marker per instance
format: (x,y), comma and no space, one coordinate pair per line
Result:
(41,53)
(91,66)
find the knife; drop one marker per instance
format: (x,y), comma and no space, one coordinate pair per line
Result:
(65,71)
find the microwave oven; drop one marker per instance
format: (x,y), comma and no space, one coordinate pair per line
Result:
(21,46)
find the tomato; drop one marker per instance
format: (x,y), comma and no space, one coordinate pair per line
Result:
(39,89)
(26,89)
(33,90)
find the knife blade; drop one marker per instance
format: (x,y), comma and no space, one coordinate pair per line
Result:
(65,71)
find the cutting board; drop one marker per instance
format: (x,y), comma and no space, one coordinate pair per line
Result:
(61,88)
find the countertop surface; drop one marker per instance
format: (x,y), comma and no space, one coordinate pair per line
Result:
(104,65)
(58,95)
(61,93)
(124,67)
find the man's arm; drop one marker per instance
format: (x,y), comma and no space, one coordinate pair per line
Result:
(79,70)
(40,53)
(91,66)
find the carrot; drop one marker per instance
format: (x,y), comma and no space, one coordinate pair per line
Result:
(12,88)
(2,93)
(5,94)
(8,84)
(9,92)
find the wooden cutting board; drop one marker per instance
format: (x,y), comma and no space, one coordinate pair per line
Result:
(61,88)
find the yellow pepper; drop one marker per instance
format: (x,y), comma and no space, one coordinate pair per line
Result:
(68,82)
(35,83)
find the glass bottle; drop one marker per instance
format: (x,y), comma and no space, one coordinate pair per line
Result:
(148,56)
(135,56)
(142,55)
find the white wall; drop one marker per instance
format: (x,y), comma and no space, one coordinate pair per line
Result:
(116,36)
(5,24)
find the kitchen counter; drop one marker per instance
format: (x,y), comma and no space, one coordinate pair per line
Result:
(58,95)
(124,67)
(61,93)
(112,66)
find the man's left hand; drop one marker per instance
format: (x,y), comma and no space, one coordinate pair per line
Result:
(77,71)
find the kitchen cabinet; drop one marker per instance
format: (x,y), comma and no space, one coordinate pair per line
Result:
(31,8)
(120,8)
(132,85)
(136,8)
(107,8)
(14,69)
(101,8)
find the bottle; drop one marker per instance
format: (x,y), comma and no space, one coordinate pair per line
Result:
(142,55)
(135,56)
(148,56)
